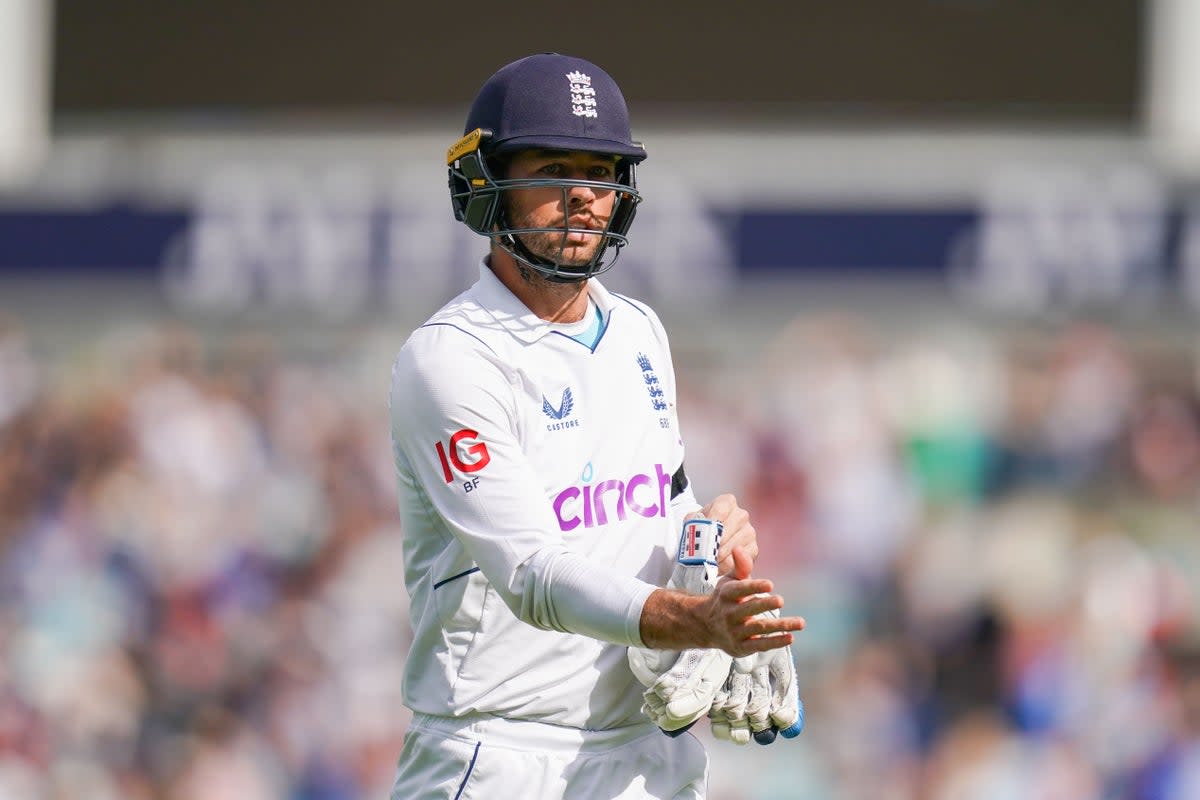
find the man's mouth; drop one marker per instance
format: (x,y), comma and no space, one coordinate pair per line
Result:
(584,223)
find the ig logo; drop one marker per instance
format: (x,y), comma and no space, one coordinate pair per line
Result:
(476,452)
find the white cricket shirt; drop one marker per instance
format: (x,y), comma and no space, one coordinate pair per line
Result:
(520,450)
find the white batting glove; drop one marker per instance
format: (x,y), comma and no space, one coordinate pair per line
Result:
(728,713)
(680,686)
(684,693)
(759,699)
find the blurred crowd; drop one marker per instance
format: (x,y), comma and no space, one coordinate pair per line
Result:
(993,533)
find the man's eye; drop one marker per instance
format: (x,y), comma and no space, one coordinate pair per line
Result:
(601,172)
(552,169)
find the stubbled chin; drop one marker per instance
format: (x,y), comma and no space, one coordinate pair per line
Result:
(578,251)
(571,258)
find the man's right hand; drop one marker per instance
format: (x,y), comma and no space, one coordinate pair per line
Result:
(727,619)
(760,697)
(735,613)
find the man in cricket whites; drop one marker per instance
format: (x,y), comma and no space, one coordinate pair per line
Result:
(575,608)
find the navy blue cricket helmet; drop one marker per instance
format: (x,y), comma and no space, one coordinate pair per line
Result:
(553,102)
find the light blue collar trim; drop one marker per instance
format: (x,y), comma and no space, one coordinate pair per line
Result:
(589,337)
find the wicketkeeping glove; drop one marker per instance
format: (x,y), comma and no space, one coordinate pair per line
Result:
(759,698)
(681,686)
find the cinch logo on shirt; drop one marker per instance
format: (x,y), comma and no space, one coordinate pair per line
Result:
(590,505)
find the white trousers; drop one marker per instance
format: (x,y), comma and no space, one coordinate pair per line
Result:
(488,758)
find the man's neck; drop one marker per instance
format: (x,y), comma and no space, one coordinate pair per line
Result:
(553,302)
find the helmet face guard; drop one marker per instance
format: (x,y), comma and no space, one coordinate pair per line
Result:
(478,200)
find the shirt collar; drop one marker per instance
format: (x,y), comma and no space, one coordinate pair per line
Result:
(514,316)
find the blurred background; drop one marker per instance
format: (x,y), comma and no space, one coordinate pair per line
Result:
(932,273)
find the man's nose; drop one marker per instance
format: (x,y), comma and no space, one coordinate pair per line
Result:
(581,195)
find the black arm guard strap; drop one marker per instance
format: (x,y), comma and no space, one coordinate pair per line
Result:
(679,482)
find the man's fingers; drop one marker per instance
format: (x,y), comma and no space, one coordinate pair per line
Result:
(731,588)
(752,611)
(742,564)
(773,626)
(725,556)
(757,604)
(720,507)
(745,609)
(759,644)
(738,533)
(768,633)
(784,626)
